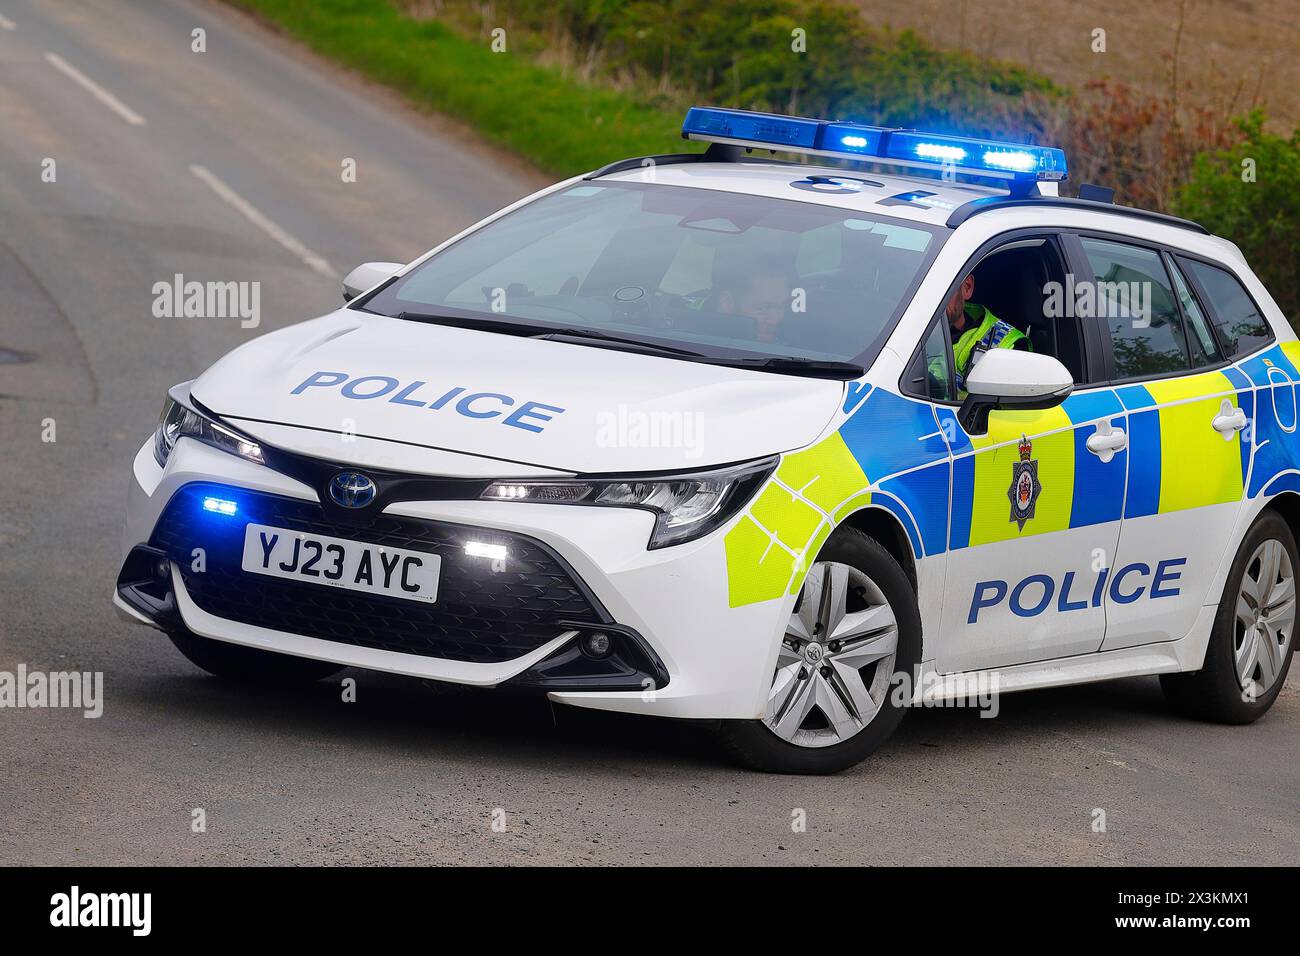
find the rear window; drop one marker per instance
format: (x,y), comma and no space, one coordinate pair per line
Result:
(1241,327)
(713,272)
(1137,303)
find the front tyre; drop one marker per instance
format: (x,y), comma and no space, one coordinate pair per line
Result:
(1251,645)
(854,625)
(249,664)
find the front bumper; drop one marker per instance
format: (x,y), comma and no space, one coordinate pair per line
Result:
(682,650)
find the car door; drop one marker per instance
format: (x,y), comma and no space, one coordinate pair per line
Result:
(1187,410)
(1036,509)
(1035,512)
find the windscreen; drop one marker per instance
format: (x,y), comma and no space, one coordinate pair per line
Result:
(716,273)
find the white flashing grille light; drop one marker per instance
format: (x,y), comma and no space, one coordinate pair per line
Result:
(481,549)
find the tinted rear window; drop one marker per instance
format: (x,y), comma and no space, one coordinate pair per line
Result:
(1241,327)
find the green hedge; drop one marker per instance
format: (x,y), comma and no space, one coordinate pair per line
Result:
(727,52)
(562,126)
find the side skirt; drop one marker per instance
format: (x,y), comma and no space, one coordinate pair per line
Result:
(1185,654)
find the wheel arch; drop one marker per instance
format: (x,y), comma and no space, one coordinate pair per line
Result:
(884,527)
(1287,504)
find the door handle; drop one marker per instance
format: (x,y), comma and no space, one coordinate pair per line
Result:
(1229,421)
(1105,441)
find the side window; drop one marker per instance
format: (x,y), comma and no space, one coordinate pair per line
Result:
(1135,301)
(1241,327)
(1014,300)
(1022,282)
(938,369)
(1205,351)
(930,375)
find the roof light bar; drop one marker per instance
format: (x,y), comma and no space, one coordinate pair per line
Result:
(962,154)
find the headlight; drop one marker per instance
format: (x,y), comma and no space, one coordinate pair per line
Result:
(685,506)
(180,420)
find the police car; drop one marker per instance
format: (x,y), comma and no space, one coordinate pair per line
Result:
(686,437)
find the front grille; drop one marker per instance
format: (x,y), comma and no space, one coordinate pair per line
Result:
(482,614)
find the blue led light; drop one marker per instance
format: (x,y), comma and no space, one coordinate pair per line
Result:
(975,156)
(937,151)
(1017,160)
(849,138)
(951,154)
(220,506)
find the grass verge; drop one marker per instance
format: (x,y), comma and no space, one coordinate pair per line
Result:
(562,126)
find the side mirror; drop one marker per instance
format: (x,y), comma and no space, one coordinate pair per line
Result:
(1005,378)
(368,275)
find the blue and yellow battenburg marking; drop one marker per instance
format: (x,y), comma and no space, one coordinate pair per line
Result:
(1277,441)
(889,453)
(1179,462)
(905,456)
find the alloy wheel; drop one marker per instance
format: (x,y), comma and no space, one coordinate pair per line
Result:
(836,660)
(1265,617)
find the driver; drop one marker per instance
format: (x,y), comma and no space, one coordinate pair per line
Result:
(761,293)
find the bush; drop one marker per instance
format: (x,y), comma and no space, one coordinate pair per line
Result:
(738,53)
(1251,195)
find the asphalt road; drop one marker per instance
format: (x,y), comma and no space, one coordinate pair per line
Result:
(113,93)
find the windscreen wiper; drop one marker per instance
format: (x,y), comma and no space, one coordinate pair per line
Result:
(598,336)
(532,331)
(465,322)
(793,365)
(787,364)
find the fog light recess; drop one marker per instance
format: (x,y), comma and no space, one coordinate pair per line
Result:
(596,644)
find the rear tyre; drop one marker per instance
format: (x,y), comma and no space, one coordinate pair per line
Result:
(832,700)
(1251,645)
(249,664)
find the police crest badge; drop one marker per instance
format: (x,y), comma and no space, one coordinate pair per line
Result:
(1025,486)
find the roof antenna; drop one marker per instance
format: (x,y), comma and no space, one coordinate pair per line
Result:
(1095,193)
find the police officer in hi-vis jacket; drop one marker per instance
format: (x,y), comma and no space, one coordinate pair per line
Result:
(975,330)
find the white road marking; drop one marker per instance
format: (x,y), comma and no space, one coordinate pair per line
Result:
(6,23)
(253,215)
(95,90)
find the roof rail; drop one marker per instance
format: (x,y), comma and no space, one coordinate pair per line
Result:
(716,153)
(977,206)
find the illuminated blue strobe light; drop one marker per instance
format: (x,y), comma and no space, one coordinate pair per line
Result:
(220,506)
(937,151)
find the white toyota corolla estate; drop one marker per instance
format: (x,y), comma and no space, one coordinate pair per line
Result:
(781,447)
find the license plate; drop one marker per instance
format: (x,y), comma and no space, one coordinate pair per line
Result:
(340,563)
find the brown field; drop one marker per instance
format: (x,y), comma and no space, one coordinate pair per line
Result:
(1231,52)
